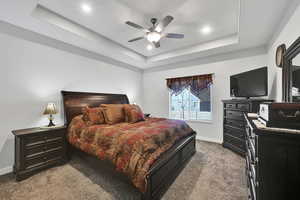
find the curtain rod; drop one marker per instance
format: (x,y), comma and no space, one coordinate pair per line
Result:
(191,76)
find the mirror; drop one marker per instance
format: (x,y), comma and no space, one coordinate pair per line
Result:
(291,73)
(295,70)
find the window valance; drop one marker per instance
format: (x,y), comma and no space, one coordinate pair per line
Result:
(195,83)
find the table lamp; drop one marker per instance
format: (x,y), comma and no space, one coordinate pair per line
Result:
(50,110)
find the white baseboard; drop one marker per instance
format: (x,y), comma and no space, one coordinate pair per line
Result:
(208,139)
(6,170)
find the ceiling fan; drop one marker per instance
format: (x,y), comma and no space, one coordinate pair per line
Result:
(155,33)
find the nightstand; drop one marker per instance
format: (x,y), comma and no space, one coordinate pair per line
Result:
(37,149)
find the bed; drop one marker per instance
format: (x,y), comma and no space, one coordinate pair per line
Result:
(165,168)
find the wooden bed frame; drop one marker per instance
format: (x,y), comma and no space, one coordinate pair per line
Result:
(164,171)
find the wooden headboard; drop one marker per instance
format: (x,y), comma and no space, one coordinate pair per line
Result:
(74,102)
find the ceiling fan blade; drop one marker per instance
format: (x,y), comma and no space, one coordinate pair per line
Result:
(135,39)
(136,26)
(163,23)
(174,35)
(156,44)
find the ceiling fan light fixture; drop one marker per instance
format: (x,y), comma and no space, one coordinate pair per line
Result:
(153,36)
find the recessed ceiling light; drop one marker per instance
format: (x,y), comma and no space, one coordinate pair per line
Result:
(149,47)
(206,30)
(86,8)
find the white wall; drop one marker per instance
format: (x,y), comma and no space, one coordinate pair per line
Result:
(288,35)
(156,95)
(32,75)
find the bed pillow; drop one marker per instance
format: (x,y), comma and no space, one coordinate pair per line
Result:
(113,113)
(93,116)
(133,113)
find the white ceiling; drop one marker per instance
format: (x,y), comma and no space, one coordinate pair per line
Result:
(108,18)
(236,25)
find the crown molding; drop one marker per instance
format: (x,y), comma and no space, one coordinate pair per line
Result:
(28,35)
(260,50)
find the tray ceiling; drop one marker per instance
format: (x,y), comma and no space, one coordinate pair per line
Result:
(108,19)
(98,26)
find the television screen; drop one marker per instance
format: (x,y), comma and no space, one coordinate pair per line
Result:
(250,84)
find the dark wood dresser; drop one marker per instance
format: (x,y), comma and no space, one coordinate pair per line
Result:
(37,149)
(272,162)
(234,122)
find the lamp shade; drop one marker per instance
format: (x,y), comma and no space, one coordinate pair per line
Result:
(50,109)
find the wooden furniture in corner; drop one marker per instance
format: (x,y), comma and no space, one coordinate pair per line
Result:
(37,149)
(272,162)
(234,122)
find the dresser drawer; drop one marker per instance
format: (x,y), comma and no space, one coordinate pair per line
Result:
(230,105)
(238,115)
(37,139)
(34,140)
(234,141)
(252,188)
(251,150)
(252,140)
(43,159)
(243,107)
(249,132)
(34,162)
(251,166)
(55,136)
(235,123)
(43,148)
(234,132)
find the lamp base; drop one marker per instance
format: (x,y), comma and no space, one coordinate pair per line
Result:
(51,123)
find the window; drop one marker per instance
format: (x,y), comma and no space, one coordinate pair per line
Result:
(186,106)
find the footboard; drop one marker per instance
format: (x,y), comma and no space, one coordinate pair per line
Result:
(163,173)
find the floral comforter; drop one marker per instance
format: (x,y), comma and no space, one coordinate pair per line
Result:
(133,148)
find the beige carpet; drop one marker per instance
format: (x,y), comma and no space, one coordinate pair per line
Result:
(214,173)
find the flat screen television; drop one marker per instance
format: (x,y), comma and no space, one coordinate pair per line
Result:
(250,84)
